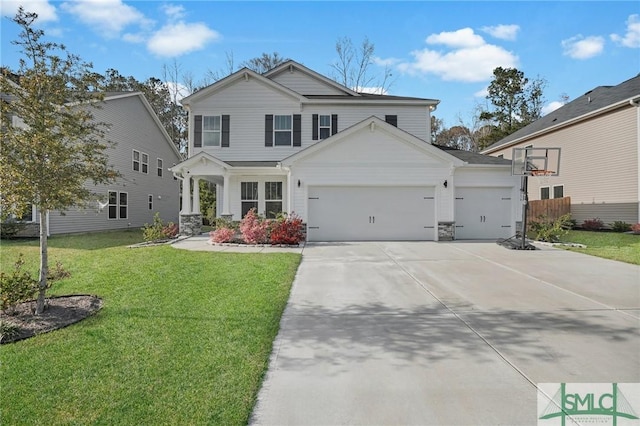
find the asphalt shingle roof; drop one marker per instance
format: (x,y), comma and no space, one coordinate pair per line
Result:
(593,100)
(474,157)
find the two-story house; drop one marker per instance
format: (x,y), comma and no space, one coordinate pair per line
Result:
(353,166)
(599,135)
(142,154)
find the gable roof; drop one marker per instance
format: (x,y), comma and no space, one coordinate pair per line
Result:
(475,158)
(119,95)
(595,102)
(290,64)
(374,123)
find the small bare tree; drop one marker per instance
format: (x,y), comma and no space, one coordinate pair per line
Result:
(353,67)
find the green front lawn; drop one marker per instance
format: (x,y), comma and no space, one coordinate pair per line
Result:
(610,245)
(183,337)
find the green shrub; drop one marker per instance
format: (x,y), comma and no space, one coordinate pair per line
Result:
(16,287)
(158,230)
(7,330)
(10,228)
(551,230)
(620,226)
(594,224)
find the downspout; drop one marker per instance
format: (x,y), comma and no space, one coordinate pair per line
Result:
(636,103)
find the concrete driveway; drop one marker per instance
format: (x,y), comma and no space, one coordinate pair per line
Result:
(446,333)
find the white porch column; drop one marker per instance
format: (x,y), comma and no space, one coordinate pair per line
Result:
(186,195)
(218,198)
(226,196)
(196,195)
(290,191)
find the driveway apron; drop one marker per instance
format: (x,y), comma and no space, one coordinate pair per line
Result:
(445,333)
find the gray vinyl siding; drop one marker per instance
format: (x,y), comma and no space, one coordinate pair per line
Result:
(599,165)
(304,84)
(247,102)
(132,127)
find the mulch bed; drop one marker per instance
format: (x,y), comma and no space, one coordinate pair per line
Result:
(59,312)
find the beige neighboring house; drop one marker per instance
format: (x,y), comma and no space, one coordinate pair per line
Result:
(599,134)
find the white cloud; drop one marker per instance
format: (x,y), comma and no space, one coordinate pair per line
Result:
(174,12)
(551,107)
(503,32)
(632,37)
(580,47)
(46,11)
(108,17)
(176,39)
(464,37)
(470,60)
(482,93)
(386,62)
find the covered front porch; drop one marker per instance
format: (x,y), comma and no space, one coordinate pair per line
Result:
(240,186)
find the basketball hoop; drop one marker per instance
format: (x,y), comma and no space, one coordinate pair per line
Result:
(542,176)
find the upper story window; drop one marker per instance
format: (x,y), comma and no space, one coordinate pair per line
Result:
(211,130)
(140,162)
(282,130)
(160,167)
(323,126)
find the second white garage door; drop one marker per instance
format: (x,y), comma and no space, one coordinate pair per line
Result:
(483,213)
(349,213)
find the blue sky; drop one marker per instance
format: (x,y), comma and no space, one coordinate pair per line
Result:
(441,50)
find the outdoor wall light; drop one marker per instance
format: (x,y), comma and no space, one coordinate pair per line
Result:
(444,183)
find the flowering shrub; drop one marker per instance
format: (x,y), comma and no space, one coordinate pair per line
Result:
(636,228)
(170,230)
(594,224)
(222,235)
(254,229)
(158,230)
(287,230)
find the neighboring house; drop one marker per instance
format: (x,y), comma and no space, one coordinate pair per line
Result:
(353,166)
(142,154)
(599,135)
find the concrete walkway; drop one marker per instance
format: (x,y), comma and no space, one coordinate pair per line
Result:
(445,333)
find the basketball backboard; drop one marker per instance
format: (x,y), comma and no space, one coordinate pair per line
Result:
(531,161)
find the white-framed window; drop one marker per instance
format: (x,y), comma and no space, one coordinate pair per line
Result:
(136,161)
(324,126)
(248,196)
(150,199)
(544,192)
(211,130)
(160,167)
(282,130)
(28,215)
(118,205)
(145,162)
(558,191)
(272,199)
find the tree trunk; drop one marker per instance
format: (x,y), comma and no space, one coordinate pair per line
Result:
(44,262)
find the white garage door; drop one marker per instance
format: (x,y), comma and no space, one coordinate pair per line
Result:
(483,213)
(371,213)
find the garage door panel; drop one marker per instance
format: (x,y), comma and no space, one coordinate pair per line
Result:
(483,213)
(371,213)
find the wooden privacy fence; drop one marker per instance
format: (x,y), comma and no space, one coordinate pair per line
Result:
(553,208)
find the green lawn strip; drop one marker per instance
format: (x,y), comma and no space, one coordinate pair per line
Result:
(609,245)
(183,337)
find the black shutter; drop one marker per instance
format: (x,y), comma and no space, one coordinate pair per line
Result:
(268,130)
(314,127)
(197,131)
(391,119)
(225,131)
(334,124)
(297,130)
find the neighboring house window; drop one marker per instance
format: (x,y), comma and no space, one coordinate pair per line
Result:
(160,167)
(544,193)
(150,201)
(501,156)
(118,205)
(558,191)
(282,130)
(27,215)
(136,161)
(211,130)
(391,119)
(272,199)
(145,163)
(323,126)
(248,196)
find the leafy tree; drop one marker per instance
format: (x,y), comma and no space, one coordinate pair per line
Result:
(59,148)
(353,67)
(516,102)
(264,63)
